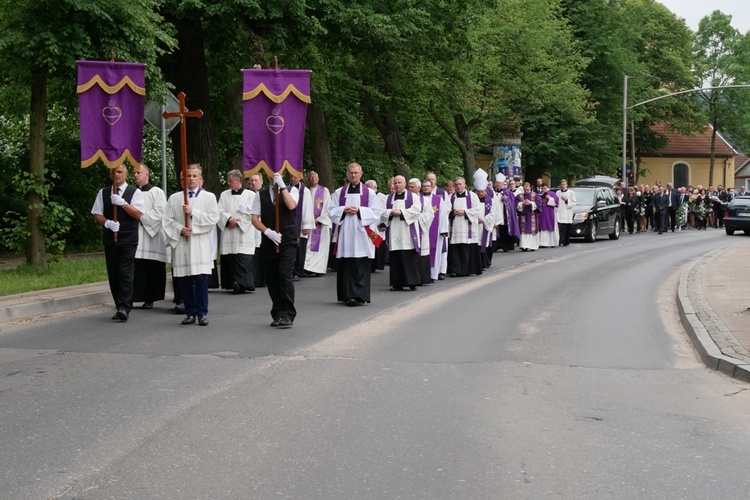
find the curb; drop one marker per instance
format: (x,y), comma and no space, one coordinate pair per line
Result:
(49,305)
(709,351)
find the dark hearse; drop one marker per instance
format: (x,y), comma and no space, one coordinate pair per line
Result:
(737,215)
(597,211)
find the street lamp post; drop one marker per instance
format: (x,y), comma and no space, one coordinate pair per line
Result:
(626,108)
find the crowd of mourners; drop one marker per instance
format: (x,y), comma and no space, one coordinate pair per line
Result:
(275,235)
(660,207)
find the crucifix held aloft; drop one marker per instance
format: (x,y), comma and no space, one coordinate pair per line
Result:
(182,115)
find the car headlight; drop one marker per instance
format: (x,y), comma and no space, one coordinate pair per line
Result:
(581,216)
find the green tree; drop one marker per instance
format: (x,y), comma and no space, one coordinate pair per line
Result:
(718,52)
(41,39)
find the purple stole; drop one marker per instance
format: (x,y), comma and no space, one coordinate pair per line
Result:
(317,210)
(511,215)
(547,219)
(408,202)
(468,206)
(364,200)
(487,209)
(529,221)
(435,200)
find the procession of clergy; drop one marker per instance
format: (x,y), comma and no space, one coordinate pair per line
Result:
(421,231)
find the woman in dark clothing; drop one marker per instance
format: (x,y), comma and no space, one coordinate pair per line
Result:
(702,209)
(631,206)
(647,211)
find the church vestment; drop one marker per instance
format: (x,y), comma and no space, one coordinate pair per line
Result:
(403,237)
(548,232)
(489,214)
(319,239)
(381,252)
(463,247)
(528,220)
(237,247)
(566,202)
(437,233)
(152,254)
(192,257)
(354,246)
(305,221)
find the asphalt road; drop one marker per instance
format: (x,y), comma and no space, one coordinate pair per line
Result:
(562,373)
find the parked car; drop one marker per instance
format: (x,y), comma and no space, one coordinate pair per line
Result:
(597,211)
(737,215)
(598,180)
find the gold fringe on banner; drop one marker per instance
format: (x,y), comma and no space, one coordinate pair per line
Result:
(278,99)
(286,167)
(109,89)
(99,155)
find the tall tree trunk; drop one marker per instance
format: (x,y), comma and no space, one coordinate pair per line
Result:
(35,246)
(320,146)
(188,72)
(387,124)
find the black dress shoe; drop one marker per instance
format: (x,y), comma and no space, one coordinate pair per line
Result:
(179,308)
(397,289)
(236,288)
(295,278)
(412,287)
(121,314)
(351,302)
(285,323)
(203,320)
(275,322)
(189,320)
(147,305)
(441,276)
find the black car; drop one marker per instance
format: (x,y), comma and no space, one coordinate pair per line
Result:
(737,215)
(597,211)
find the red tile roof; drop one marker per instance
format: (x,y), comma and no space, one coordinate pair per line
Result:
(694,146)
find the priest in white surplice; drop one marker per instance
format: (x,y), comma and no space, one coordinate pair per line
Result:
(401,216)
(527,205)
(192,245)
(354,207)
(438,231)
(424,221)
(319,239)
(487,217)
(465,229)
(152,254)
(305,222)
(237,235)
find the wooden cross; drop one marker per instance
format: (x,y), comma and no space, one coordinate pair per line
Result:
(182,115)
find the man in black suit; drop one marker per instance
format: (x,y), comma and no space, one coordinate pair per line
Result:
(719,206)
(661,203)
(672,204)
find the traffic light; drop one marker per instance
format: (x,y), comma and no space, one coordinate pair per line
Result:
(630,174)
(619,173)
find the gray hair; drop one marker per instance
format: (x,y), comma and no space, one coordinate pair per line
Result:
(235,173)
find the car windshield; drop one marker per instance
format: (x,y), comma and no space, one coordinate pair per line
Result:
(741,202)
(584,196)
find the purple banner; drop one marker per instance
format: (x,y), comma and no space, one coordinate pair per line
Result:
(274,110)
(111,99)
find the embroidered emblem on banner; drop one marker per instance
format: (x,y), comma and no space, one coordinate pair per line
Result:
(275,122)
(111,113)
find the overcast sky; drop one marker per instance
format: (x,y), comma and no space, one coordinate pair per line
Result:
(692,11)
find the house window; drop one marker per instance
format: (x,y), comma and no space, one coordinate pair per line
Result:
(681,175)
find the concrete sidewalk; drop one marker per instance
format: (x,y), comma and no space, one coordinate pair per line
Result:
(713,299)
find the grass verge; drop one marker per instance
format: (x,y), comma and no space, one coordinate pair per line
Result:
(66,272)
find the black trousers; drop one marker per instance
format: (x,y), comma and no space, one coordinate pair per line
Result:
(120,260)
(565,230)
(299,262)
(279,269)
